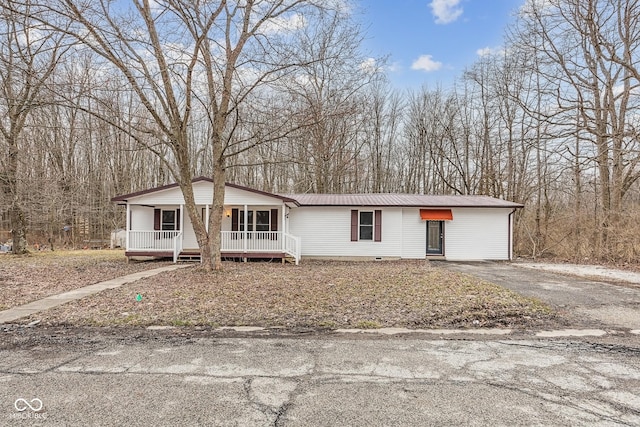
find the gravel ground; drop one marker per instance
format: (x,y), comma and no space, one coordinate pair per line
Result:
(590,271)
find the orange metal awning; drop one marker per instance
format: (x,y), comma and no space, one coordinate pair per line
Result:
(436,214)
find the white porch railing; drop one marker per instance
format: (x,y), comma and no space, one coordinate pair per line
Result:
(231,241)
(153,241)
(177,246)
(260,241)
(252,241)
(292,246)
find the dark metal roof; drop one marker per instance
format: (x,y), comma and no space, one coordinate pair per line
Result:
(401,200)
(125,197)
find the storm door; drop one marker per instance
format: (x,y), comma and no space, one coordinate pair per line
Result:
(435,235)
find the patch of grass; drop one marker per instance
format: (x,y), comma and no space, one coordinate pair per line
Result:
(181,322)
(315,294)
(368,324)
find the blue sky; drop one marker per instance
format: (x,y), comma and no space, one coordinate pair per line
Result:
(432,41)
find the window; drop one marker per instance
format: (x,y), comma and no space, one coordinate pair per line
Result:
(249,220)
(262,220)
(168,220)
(366,226)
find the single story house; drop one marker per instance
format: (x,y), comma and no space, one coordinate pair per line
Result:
(258,224)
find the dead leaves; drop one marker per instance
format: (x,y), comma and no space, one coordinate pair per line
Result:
(314,294)
(28,278)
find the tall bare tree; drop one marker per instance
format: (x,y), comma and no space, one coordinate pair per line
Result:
(28,56)
(179,57)
(588,49)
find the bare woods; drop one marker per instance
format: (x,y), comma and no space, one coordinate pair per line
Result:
(100,98)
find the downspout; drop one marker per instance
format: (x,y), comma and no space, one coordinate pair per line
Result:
(510,245)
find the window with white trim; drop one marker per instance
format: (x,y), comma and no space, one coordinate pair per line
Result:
(365,225)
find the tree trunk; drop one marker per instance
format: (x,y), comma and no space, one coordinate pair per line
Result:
(215,221)
(16,213)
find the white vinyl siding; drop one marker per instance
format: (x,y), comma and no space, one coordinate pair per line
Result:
(141,218)
(189,240)
(473,234)
(203,195)
(326,232)
(414,234)
(477,234)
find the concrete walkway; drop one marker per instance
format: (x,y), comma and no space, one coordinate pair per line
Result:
(16,313)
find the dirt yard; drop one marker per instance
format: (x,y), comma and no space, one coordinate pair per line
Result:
(319,295)
(27,278)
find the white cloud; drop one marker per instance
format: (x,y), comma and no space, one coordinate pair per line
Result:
(426,63)
(531,6)
(488,51)
(445,11)
(279,24)
(369,66)
(372,65)
(394,67)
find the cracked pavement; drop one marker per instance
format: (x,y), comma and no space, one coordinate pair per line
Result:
(256,377)
(323,380)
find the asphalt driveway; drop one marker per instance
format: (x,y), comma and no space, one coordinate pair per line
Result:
(583,302)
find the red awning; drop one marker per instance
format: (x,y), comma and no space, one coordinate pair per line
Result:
(436,214)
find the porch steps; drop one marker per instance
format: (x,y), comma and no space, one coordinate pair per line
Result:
(189,257)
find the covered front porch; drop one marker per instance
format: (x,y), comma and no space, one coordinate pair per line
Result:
(255,224)
(234,244)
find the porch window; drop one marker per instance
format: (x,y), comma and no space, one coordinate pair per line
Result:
(262,220)
(166,220)
(249,220)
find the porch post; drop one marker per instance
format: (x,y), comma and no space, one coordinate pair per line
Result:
(246,227)
(128,226)
(206,218)
(182,218)
(284,227)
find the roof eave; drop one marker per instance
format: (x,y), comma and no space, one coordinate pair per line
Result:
(125,197)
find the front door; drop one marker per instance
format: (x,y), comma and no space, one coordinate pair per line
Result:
(434,237)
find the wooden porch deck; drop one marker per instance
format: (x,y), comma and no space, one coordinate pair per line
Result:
(190,254)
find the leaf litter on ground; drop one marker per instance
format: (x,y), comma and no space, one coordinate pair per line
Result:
(30,277)
(315,294)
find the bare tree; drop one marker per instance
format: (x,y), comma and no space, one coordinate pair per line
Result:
(180,57)
(28,57)
(587,49)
